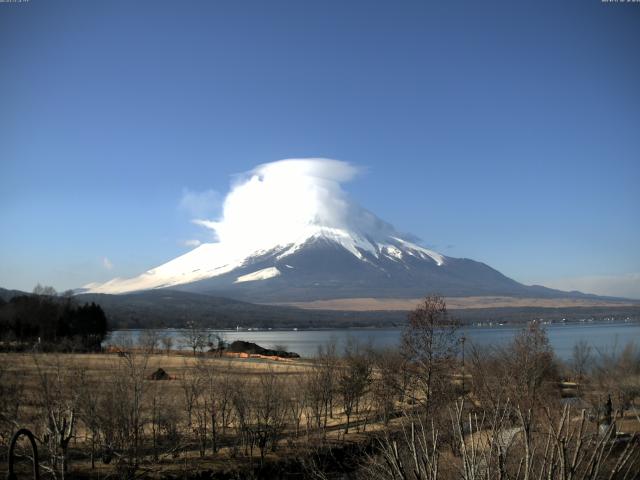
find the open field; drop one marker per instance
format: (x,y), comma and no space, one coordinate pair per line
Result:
(455,303)
(176,415)
(99,365)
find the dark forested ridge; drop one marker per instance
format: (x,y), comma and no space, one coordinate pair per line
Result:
(52,321)
(168,308)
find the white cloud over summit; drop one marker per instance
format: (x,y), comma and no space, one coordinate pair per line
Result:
(199,204)
(274,201)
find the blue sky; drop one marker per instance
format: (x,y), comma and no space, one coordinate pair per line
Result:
(507,132)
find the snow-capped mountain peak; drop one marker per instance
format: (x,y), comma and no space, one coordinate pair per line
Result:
(216,259)
(289,232)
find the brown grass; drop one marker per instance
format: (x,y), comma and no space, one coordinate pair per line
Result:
(453,303)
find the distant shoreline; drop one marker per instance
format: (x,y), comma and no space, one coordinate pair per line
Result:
(251,330)
(367,304)
(305,342)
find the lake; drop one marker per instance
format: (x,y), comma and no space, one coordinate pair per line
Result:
(606,336)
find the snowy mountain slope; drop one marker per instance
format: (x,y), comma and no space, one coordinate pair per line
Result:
(214,260)
(326,264)
(323,269)
(289,232)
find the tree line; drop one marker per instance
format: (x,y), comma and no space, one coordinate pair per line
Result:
(50,321)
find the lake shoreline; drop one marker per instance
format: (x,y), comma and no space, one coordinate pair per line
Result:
(385,327)
(603,336)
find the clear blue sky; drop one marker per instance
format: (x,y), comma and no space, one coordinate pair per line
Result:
(507,132)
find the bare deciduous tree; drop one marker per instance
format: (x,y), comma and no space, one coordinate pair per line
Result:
(123,406)
(194,337)
(354,377)
(617,373)
(270,411)
(59,405)
(167,343)
(297,400)
(429,341)
(148,340)
(11,391)
(89,414)
(391,381)
(581,359)
(191,387)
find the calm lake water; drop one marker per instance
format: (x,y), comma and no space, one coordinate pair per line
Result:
(601,336)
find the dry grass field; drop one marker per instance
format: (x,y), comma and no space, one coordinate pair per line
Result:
(454,303)
(71,380)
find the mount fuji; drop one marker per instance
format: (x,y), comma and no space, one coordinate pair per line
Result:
(289,233)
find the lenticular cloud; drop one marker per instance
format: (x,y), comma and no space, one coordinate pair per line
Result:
(275,202)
